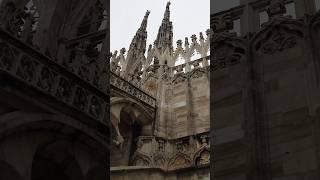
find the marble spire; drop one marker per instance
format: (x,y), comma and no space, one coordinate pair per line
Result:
(137,48)
(165,35)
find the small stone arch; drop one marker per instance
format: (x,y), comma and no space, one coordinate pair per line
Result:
(135,110)
(18,119)
(202,156)
(55,160)
(179,161)
(140,159)
(160,161)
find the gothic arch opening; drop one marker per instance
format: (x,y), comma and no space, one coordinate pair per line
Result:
(131,124)
(56,161)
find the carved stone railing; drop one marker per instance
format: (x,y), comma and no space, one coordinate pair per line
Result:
(174,154)
(128,88)
(31,68)
(195,64)
(197,69)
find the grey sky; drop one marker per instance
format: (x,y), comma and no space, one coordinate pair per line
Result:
(188,17)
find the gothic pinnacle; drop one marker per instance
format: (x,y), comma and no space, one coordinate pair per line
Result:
(165,34)
(137,48)
(167,12)
(145,21)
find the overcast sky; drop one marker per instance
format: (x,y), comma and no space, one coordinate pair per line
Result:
(188,17)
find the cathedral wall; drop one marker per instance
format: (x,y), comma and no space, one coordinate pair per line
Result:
(287,85)
(229,124)
(184,101)
(265,117)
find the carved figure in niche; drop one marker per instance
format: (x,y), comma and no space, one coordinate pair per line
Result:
(64,89)
(26,69)
(79,57)
(204,158)
(46,79)
(276,8)
(95,107)
(6,57)
(80,99)
(84,72)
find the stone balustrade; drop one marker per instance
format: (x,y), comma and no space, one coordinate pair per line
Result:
(128,88)
(35,70)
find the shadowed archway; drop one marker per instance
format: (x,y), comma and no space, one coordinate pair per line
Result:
(56,161)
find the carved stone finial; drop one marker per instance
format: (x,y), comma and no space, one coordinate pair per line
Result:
(276,8)
(193,38)
(208,32)
(122,51)
(168,4)
(201,36)
(186,42)
(179,43)
(147,13)
(115,53)
(222,23)
(150,47)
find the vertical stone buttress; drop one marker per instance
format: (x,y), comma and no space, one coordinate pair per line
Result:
(163,44)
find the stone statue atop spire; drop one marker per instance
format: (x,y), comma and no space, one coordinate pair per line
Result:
(165,35)
(137,49)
